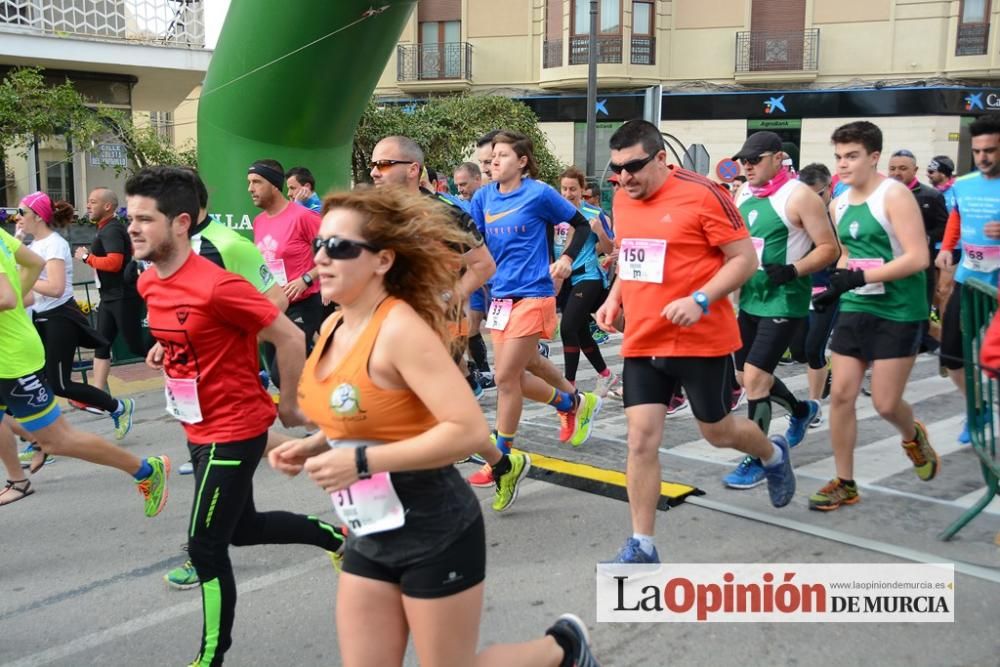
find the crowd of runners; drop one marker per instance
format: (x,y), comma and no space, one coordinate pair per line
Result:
(367,312)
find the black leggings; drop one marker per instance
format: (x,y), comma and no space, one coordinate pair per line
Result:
(820,328)
(224,514)
(584,298)
(61,338)
(121,316)
(307,315)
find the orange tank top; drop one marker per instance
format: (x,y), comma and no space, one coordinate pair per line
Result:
(347,405)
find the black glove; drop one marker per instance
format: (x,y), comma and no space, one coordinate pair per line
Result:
(844,280)
(779,274)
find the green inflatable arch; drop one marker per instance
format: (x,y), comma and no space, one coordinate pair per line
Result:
(289,81)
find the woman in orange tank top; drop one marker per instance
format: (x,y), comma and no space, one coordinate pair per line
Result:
(394,412)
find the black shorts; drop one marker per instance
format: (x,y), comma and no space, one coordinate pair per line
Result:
(952,353)
(870,337)
(458,568)
(707,383)
(765,339)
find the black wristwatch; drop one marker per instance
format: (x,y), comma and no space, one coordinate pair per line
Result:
(307,279)
(361,462)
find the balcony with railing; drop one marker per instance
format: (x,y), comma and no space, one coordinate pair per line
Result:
(552,55)
(609,49)
(177,23)
(973,39)
(643,50)
(760,52)
(442,63)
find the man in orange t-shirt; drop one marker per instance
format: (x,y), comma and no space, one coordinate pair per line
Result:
(682,248)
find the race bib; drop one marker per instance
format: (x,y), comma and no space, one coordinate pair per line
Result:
(981,258)
(758,246)
(561,235)
(369,505)
(870,289)
(642,260)
(499,314)
(815,291)
(182,400)
(277,268)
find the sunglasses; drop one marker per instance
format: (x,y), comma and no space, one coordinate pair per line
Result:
(754,160)
(338,248)
(632,166)
(383,165)
(20,212)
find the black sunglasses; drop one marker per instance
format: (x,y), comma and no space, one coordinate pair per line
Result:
(382,165)
(632,166)
(20,212)
(338,248)
(754,160)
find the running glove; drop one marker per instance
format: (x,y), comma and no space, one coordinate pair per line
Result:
(779,274)
(841,280)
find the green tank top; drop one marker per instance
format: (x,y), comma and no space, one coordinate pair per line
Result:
(21,351)
(235,253)
(866,233)
(777,241)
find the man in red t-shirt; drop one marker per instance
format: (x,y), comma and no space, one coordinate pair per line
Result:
(207,321)
(682,248)
(284,234)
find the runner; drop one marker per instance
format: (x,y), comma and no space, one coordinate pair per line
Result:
(207,321)
(683,248)
(58,318)
(588,285)
(25,393)
(793,238)
(513,213)
(974,228)
(883,310)
(394,414)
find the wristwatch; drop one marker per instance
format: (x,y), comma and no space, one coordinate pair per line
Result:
(307,279)
(701,299)
(361,462)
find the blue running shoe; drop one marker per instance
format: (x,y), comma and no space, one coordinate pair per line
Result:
(781,477)
(748,474)
(265,379)
(632,554)
(573,631)
(797,425)
(964,438)
(543,349)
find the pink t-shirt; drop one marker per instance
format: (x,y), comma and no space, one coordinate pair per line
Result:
(285,241)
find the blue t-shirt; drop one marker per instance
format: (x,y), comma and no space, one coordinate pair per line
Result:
(586,266)
(977,200)
(515,226)
(457,201)
(312,202)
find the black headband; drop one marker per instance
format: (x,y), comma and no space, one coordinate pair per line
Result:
(269,174)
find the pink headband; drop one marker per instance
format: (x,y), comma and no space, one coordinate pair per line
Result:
(40,203)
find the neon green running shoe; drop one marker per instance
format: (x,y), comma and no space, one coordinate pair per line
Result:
(123,419)
(586,413)
(183,577)
(508,483)
(925,460)
(154,487)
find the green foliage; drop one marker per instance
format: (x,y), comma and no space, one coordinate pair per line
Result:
(447,129)
(144,145)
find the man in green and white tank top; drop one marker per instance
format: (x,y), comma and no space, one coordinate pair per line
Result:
(879,282)
(793,238)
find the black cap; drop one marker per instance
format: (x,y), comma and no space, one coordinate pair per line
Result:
(759,143)
(943,164)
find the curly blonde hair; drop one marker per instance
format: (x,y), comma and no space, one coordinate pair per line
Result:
(427,244)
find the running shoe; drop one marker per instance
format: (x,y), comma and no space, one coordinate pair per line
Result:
(508,483)
(26,454)
(572,629)
(187,468)
(543,349)
(599,335)
(477,390)
(154,487)
(964,438)
(833,495)
(678,403)
(748,474)
(797,425)
(605,383)
(818,421)
(123,418)
(265,379)
(781,477)
(586,413)
(866,383)
(567,421)
(182,578)
(484,478)
(925,459)
(473,458)
(786,359)
(617,393)
(80,405)
(485,380)
(827,386)
(632,554)
(738,396)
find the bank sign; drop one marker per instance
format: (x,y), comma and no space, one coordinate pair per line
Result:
(982,102)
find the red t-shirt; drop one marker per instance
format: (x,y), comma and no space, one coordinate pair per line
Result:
(207,321)
(694,217)
(285,241)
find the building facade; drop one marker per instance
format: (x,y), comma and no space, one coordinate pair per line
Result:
(921,69)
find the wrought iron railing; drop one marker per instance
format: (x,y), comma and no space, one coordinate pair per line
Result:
(163,22)
(423,62)
(609,49)
(972,39)
(758,51)
(552,53)
(643,50)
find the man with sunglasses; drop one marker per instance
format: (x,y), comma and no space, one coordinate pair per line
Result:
(793,238)
(683,247)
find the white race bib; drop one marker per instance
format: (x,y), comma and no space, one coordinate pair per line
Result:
(981,258)
(182,400)
(369,505)
(642,260)
(499,314)
(758,246)
(277,268)
(561,235)
(863,264)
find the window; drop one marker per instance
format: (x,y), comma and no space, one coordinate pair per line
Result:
(552,53)
(609,17)
(59,180)
(643,42)
(642,17)
(973,28)
(440,49)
